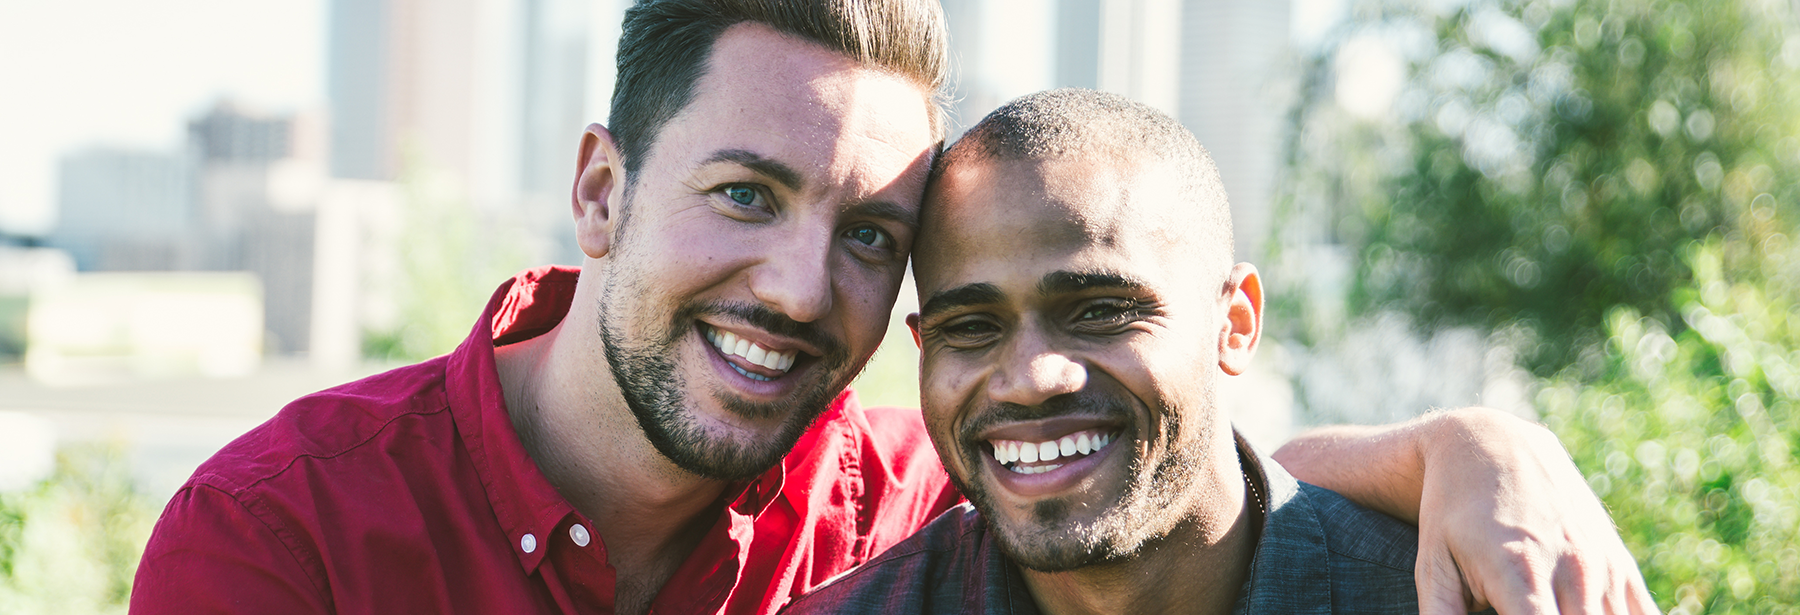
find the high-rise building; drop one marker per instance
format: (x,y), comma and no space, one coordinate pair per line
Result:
(125,210)
(494,92)
(257,211)
(1216,65)
(1235,89)
(489,94)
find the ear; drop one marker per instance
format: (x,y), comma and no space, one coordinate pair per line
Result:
(912,322)
(599,191)
(1242,328)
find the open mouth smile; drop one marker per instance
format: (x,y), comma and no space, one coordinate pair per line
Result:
(759,363)
(1022,457)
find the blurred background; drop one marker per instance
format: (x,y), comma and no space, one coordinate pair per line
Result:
(1579,211)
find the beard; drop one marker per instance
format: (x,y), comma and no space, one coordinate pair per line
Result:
(655,387)
(1149,507)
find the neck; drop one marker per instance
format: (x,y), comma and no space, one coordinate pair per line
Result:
(575,425)
(1198,568)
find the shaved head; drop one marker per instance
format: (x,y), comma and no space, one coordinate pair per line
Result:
(1118,138)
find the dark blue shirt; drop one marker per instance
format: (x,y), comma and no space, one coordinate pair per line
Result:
(1318,553)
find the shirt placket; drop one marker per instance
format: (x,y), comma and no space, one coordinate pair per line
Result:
(575,569)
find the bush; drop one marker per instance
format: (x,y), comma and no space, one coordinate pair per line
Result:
(1690,441)
(71,544)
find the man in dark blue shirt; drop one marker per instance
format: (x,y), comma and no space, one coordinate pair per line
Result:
(1078,307)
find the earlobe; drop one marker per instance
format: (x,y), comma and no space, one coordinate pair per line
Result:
(912,324)
(1242,328)
(599,191)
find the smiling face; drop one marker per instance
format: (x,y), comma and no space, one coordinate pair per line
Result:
(1071,339)
(760,248)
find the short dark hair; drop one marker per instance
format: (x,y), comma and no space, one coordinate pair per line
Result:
(665,44)
(1072,122)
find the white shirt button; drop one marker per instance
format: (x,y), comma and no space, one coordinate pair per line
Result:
(528,543)
(579,534)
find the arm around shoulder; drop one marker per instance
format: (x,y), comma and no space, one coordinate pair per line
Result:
(1505,518)
(210,554)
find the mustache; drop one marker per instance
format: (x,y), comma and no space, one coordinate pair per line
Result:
(1068,404)
(772,321)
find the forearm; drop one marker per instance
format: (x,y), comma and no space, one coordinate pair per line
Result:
(1384,467)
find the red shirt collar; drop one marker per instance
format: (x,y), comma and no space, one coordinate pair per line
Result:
(524,501)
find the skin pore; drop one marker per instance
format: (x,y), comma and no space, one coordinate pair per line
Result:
(1057,300)
(778,207)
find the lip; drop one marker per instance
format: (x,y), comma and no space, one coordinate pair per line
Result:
(749,388)
(1070,476)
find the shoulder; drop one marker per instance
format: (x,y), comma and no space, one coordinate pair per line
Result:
(1361,534)
(922,574)
(326,425)
(1371,555)
(1319,550)
(920,571)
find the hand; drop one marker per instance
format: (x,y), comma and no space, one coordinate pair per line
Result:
(1506,520)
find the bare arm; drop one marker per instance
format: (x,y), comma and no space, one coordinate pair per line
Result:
(1505,519)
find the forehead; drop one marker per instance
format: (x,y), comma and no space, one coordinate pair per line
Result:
(841,124)
(1014,222)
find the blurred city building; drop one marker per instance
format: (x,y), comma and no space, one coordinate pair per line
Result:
(493,94)
(238,197)
(126,210)
(116,326)
(1220,67)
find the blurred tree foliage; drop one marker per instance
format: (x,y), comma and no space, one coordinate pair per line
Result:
(1610,188)
(451,257)
(1690,439)
(1548,160)
(71,544)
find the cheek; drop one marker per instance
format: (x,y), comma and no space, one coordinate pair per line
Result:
(867,295)
(690,253)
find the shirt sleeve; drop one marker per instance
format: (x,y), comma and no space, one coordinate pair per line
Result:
(210,554)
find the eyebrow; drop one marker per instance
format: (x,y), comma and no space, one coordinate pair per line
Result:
(770,167)
(787,176)
(886,211)
(1063,282)
(979,293)
(1053,283)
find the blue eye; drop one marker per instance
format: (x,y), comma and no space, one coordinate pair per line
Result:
(741,195)
(870,236)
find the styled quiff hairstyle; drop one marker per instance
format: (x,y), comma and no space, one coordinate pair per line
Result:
(665,44)
(1073,122)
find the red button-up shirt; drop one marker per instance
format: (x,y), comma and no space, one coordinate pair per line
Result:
(409,492)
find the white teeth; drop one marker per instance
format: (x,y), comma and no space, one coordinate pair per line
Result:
(1011,452)
(1036,469)
(729,343)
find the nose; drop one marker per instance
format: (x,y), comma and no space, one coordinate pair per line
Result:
(1032,371)
(794,277)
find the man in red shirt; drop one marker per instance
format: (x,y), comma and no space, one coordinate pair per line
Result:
(666,428)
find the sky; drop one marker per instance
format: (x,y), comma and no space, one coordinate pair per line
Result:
(129,73)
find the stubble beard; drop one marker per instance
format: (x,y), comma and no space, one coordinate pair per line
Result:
(1148,509)
(655,388)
